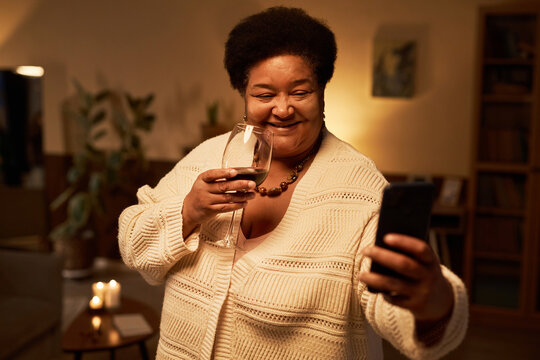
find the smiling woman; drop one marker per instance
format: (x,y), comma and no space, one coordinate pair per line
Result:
(282,95)
(296,286)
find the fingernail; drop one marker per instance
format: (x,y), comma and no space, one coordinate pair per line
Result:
(366,251)
(251,185)
(232,172)
(390,239)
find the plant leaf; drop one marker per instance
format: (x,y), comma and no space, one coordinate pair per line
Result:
(148,100)
(61,231)
(135,142)
(62,198)
(79,207)
(146,122)
(73,174)
(80,90)
(96,183)
(102,95)
(101,133)
(121,123)
(115,160)
(82,118)
(132,102)
(98,117)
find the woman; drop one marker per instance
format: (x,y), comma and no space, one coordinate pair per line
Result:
(296,286)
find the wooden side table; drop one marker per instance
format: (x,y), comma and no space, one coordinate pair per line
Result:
(80,337)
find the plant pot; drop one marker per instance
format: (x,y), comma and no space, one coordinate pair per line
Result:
(78,253)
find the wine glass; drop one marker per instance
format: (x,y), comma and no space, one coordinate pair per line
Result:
(249,152)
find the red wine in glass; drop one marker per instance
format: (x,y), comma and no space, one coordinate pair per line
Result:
(250,173)
(249,151)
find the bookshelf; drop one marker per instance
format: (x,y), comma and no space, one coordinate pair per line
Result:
(502,250)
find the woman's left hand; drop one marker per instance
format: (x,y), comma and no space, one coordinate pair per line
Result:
(424,291)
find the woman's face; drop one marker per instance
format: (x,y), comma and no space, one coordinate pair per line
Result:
(282,95)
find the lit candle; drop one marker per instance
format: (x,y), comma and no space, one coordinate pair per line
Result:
(112,295)
(96,323)
(98,289)
(96,303)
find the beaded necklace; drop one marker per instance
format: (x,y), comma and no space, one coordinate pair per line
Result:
(293,176)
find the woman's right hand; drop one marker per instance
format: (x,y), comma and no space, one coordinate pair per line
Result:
(211,194)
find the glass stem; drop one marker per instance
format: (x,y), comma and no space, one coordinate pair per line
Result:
(229,236)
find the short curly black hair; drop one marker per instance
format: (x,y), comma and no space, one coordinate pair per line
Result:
(279,31)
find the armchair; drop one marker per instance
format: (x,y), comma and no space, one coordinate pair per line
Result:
(30,305)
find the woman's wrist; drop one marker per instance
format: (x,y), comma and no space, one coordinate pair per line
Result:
(187,225)
(431,332)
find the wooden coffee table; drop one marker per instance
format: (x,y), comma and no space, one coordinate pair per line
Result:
(80,336)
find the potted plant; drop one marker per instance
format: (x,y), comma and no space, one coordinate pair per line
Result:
(212,127)
(97,170)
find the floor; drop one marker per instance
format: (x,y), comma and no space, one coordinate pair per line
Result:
(489,343)
(480,342)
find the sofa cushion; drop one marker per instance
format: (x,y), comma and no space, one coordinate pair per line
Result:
(23,320)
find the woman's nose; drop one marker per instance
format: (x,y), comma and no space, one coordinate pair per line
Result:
(282,108)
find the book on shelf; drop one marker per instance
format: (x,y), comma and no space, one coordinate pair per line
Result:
(503,145)
(498,234)
(507,80)
(485,192)
(513,193)
(501,191)
(509,146)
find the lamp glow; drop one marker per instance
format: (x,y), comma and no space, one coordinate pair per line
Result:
(33,71)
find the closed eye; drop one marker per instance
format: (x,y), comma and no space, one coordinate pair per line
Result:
(264,96)
(299,94)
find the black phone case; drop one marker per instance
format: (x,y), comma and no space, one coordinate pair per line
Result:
(405,209)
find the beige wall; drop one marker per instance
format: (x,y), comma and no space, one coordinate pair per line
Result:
(174,48)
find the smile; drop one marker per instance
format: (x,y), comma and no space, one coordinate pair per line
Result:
(282,126)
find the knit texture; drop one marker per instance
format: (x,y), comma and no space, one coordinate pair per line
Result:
(296,295)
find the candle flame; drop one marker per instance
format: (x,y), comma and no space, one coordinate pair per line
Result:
(96,300)
(96,322)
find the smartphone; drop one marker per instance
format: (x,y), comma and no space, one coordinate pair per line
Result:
(405,209)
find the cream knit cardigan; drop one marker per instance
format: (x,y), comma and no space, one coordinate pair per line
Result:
(296,295)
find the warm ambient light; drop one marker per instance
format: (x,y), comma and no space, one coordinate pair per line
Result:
(346,114)
(98,288)
(33,71)
(112,295)
(96,303)
(96,322)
